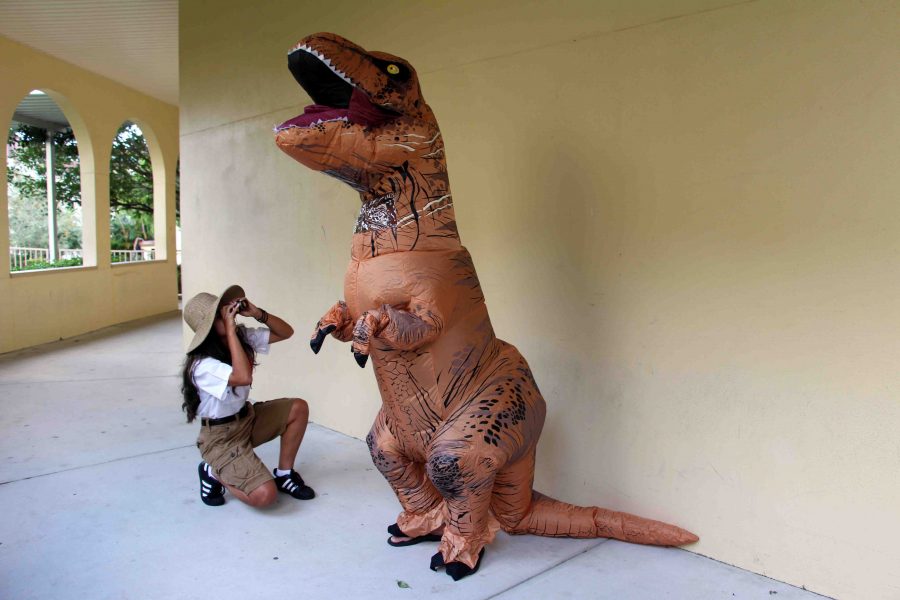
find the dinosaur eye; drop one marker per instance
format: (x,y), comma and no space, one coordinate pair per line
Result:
(393,69)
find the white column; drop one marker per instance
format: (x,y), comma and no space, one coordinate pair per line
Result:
(51,199)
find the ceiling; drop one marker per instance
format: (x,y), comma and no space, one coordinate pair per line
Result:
(133,42)
(40,110)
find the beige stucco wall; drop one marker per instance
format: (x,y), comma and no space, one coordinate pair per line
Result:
(42,306)
(684,213)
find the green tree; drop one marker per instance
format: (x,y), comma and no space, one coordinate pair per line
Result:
(26,178)
(28,222)
(130,188)
(26,170)
(130,179)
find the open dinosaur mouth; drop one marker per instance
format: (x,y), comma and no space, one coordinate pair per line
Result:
(333,93)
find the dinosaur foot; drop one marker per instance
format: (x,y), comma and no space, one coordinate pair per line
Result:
(456,570)
(398,538)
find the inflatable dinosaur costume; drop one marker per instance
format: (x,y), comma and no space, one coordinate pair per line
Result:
(461,414)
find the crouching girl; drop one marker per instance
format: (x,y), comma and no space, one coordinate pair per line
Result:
(218,373)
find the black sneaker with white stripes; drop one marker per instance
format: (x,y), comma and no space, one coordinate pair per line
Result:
(293,484)
(211,491)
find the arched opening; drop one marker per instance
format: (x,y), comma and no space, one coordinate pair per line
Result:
(131,197)
(43,187)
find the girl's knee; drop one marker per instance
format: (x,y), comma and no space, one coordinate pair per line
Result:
(264,495)
(300,406)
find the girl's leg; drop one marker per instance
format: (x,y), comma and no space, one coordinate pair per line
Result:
(228,448)
(285,417)
(297,420)
(263,495)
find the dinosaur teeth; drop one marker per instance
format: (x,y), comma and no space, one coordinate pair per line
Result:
(283,127)
(320,121)
(324,59)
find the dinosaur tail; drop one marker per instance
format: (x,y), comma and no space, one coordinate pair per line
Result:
(549,517)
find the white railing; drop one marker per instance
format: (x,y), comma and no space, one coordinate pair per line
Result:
(66,253)
(19,256)
(123,256)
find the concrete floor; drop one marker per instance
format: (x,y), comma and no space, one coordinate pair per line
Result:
(99,499)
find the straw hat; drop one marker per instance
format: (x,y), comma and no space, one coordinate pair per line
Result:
(201,310)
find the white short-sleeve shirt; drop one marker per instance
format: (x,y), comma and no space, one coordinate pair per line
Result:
(217,398)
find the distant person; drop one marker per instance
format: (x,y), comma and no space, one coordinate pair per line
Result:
(218,372)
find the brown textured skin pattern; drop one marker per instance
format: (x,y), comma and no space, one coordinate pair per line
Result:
(461,414)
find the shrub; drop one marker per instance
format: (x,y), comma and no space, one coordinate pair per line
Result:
(33,265)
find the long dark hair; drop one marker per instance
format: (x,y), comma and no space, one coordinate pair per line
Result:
(211,347)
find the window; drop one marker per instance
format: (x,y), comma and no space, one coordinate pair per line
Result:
(131,197)
(44,187)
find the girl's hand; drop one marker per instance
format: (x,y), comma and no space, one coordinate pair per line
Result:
(228,312)
(250,309)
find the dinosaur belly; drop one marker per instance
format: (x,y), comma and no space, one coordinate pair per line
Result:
(420,388)
(445,281)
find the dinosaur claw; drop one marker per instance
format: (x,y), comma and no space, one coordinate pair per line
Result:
(316,342)
(437,561)
(361,358)
(458,570)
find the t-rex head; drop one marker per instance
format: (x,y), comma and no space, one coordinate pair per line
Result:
(368,120)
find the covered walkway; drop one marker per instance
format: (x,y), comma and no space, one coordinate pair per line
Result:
(99,499)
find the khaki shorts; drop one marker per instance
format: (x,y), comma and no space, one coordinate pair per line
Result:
(228,448)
